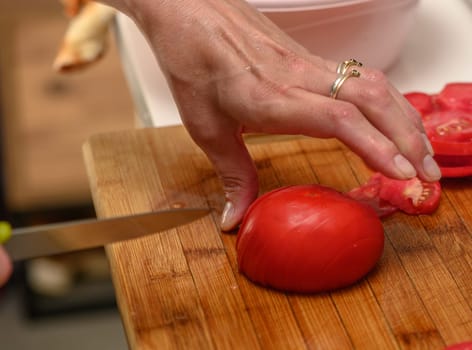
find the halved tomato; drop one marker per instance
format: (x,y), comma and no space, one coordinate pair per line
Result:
(308,238)
(387,195)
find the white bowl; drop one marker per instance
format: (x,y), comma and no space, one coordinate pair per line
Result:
(372,31)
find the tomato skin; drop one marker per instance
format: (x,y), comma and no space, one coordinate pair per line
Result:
(308,239)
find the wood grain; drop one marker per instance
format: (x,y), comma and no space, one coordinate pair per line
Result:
(182,290)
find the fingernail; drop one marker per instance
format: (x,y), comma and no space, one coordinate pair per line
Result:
(431,168)
(404,166)
(428,144)
(226,215)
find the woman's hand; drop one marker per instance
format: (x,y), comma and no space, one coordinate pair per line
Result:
(231,71)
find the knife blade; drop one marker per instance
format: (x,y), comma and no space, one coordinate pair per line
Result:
(57,238)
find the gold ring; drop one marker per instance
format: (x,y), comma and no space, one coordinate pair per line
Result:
(344,66)
(340,81)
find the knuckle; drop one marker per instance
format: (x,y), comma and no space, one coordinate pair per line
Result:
(206,137)
(298,65)
(416,143)
(376,76)
(343,113)
(377,94)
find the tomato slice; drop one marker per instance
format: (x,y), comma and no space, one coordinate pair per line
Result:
(447,118)
(422,102)
(369,194)
(467,345)
(446,148)
(454,165)
(455,96)
(458,171)
(387,195)
(412,196)
(450,132)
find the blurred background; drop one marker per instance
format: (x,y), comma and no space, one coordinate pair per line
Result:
(45,117)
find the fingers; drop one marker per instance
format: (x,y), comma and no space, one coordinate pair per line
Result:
(221,140)
(404,142)
(389,112)
(6,267)
(319,116)
(237,172)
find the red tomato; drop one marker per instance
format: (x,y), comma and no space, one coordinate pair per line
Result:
(450,129)
(411,196)
(369,194)
(447,118)
(460,346)
(455,96)
(308,239)
(421,101)
(455,166)
(386,195)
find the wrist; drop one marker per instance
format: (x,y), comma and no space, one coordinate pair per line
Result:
(153,14)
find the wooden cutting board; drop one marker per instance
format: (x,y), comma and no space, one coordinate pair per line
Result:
(182,290)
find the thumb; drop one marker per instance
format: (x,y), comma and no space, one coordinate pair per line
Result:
(238,175)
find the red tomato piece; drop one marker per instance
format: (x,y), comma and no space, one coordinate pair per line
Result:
(410,196)
(455,96)
(422,102)
(308,239)
(455,166)
(447,118)
(369,194)
(461,171)
(450,126)
(460,346)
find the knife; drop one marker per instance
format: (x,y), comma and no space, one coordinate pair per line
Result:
(57,238)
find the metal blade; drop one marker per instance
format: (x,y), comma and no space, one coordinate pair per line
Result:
(70,236)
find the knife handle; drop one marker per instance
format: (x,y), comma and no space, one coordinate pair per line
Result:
(5,231)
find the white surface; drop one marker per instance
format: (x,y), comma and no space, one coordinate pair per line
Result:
(438,51)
